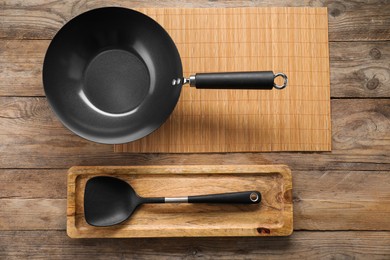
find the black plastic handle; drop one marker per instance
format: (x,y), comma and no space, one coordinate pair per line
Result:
(234,80)
(245,197)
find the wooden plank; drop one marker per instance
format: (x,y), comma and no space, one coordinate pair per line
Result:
(62,151)
(272,217)
(353,20)
(28,214)
(341,200)
(21,67)
(323,200)
(33,184)
(33,138)
(301,245)
(40,19)
(358,69)
(357,128)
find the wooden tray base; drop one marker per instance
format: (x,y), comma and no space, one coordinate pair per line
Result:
(273,217)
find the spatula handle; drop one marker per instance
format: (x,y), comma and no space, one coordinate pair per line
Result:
(244,197)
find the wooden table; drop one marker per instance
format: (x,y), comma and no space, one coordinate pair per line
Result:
(342,198)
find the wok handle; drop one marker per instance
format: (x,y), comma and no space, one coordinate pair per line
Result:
(237,80)
(244,197)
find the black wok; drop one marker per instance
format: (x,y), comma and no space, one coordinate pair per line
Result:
(113,75)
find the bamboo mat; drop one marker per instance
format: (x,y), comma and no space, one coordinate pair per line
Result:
(289,40)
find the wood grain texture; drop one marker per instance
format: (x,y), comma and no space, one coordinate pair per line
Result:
(301,245)
(323,200)
(33,138)
(33,184)
(21,67)
(360,69)
(40,19)
(343,200)
(43,213)
(273,217)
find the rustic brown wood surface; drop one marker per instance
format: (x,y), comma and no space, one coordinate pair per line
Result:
(301,245)
(341,198)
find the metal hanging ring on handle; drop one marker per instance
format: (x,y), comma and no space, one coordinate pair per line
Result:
(285,80)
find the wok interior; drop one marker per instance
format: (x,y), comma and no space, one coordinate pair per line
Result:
(107,75)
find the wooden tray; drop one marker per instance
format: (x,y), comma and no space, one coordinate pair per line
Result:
(272,218)
(289,40)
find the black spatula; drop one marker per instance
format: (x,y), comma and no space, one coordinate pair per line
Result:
(109,201)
